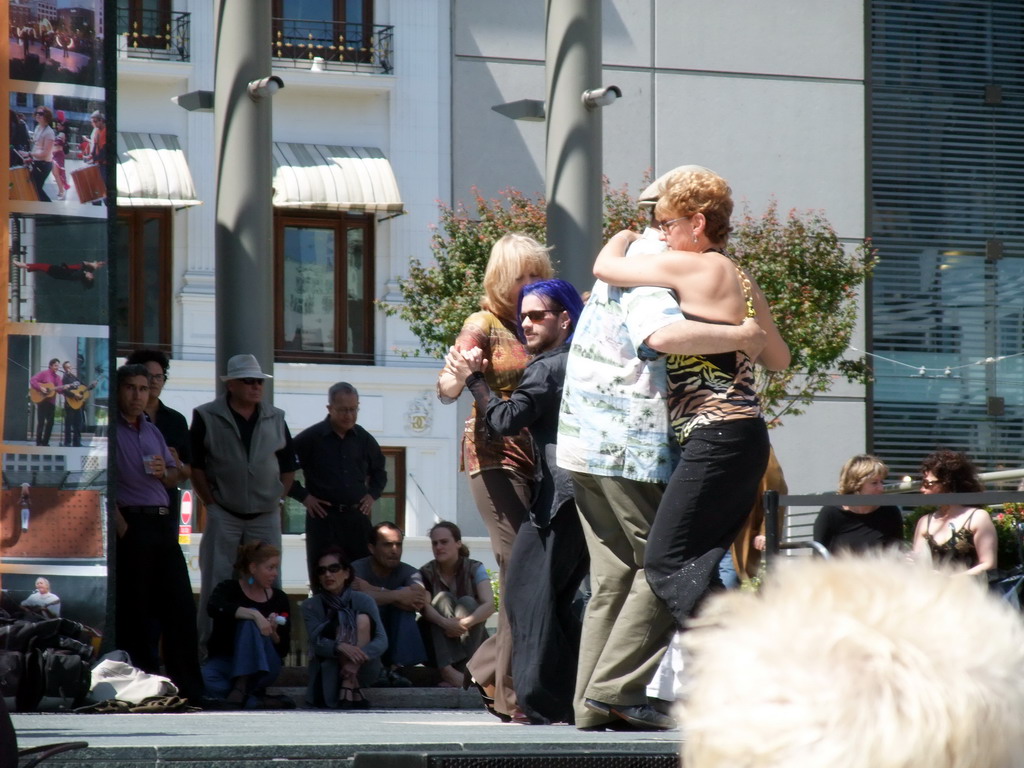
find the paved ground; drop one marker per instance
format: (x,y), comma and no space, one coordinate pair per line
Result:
(308,737)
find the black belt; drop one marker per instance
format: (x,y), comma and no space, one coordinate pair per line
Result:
(241,515)
(147,510)
(343,507)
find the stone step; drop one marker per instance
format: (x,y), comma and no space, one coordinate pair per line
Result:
(400,698)
(424,694)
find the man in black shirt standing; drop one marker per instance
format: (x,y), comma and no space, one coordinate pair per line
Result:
(344,475)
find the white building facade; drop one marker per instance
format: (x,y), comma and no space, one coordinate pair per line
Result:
(771,95)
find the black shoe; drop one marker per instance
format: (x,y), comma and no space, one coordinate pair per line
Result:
(644,717)
(598,706)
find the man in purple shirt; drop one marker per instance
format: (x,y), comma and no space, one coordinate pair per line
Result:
(154,596)
(45,385)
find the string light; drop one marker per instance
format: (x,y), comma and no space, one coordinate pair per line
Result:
(947,372)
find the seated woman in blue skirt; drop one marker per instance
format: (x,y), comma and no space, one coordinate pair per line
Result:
(251,632)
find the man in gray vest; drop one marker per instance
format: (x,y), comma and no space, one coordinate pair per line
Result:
(243,463)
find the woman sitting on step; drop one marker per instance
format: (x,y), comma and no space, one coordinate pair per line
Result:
(346,638)
(251,632)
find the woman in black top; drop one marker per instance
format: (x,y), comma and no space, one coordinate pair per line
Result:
(860,528)
(251,631)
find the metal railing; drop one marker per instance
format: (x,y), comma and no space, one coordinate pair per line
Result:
(150,34)
(337,45)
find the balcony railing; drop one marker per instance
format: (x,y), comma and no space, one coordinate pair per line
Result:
(343,46)
(150,34)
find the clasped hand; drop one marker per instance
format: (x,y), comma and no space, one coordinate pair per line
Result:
(461,363)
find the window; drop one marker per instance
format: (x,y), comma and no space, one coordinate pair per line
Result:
(336,30)
(142,311)
(391,504)
(324,285)
(149,23)
(948,224)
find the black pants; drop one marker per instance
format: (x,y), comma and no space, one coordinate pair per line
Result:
(38,172)
(44,421)
(72,426)
(344,527)
(546,568)
(154,601)
(705,504)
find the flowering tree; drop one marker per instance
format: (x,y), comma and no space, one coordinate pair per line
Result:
(809,277)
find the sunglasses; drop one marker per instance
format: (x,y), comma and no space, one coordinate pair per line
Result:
(332,568)
(251,381)
(929,483)
(537,315)
(40,114)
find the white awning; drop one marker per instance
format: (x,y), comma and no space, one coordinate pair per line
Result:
(152,172)
(332,178)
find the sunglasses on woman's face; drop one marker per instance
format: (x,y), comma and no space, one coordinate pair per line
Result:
(332,568)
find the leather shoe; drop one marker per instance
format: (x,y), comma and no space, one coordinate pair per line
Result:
(642,717)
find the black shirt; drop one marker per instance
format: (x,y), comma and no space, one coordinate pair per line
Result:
(840,529)
(174,428)
(338,470)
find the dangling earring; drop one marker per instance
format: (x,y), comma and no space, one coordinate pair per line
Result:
(251,581)
(695,237)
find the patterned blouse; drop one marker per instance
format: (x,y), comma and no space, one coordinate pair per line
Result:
(710,389)
(508,357)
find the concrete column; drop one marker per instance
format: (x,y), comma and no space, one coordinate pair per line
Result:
(573,161)
(244,230)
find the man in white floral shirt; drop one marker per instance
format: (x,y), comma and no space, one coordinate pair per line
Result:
(614,437)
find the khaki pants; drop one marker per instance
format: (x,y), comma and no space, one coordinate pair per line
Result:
(625,628)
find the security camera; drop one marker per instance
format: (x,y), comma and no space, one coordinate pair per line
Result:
(264,87)
(601,97)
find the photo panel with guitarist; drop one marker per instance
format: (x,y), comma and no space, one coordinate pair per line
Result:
(58,392)
(58,270)
(58,153)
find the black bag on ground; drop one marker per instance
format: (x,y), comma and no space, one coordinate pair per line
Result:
(38,659)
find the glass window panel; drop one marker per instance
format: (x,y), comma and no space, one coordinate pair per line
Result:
(356,304)
(122,302)
(305,21)
(152,274)
(354,11)
(294,511)
(946,179)
(309,287)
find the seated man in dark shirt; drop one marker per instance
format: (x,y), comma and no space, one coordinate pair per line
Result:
(398,590)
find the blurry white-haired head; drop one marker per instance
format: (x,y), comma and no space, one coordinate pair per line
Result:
(855,662)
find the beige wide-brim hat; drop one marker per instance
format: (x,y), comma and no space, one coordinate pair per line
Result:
(244,367)
(649,197)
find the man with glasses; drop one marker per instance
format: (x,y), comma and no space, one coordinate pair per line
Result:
(614,438)
(243,463)
(344,474)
